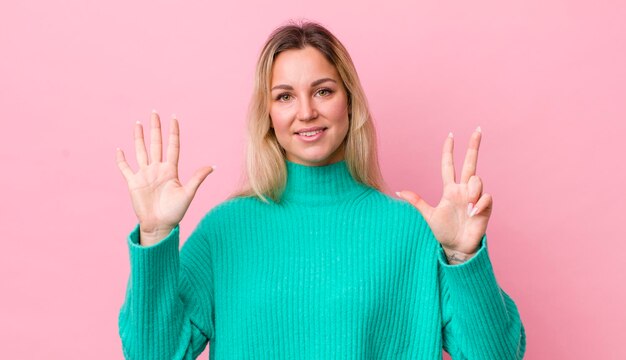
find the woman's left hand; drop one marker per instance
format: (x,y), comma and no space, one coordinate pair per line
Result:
(460,219)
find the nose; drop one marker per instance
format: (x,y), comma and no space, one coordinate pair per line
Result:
(307,110)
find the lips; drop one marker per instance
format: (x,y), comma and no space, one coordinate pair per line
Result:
(312,131)
(311,135)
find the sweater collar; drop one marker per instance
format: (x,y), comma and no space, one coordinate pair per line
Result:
(319,185)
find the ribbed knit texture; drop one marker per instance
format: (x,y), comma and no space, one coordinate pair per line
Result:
(336,270)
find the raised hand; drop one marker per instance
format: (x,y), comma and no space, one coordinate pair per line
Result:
(158,197)
(460,219)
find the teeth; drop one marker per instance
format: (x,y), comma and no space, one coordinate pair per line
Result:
(311,133)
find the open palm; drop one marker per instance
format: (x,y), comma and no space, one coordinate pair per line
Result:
(158,197)
(460,219)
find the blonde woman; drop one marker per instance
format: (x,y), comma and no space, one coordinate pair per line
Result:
(311,260)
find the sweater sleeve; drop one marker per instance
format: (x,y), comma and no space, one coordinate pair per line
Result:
(167,312)
(480,321)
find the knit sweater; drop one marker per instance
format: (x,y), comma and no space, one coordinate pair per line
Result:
(335,270)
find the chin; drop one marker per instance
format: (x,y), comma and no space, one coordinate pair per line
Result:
(317,160)
(312,161)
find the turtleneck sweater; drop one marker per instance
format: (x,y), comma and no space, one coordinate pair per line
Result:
(335,270)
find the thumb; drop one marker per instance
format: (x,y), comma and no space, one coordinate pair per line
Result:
(420,204)
(197,178)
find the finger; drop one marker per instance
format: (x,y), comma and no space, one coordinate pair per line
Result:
(156,145)
(474,189)
(483,205)
(471,156)
(122,164)
(197,179)
(420,204)
(140,146)
(447,161)
(173,147)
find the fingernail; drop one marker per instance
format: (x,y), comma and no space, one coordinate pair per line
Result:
(213,167)
(474,212)
(469,209)
(398,194)
(138,122)
(450,134)
(154,111)
(479,129)
(173,116)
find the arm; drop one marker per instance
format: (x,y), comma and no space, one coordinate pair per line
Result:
(480,321)
(167,313)
(163,316)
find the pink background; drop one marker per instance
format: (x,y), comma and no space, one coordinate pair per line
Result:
(545,80)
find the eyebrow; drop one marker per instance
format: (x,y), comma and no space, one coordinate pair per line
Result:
(314,83)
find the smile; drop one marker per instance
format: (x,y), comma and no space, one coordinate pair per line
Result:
(311,134)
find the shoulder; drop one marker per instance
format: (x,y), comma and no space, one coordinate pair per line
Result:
(397,219)
(385,202)
(393,208)
(233,208)
(219,219)
(235,204)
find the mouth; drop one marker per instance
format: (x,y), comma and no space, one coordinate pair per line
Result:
(311,132)
(310,135)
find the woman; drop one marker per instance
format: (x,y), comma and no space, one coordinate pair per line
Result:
(311,260)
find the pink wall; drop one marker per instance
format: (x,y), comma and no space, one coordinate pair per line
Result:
(545,80)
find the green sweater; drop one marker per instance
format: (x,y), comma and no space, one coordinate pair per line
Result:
(336,270)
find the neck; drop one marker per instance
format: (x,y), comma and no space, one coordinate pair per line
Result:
(320,185)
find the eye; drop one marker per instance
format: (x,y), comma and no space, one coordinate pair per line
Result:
(283,97)
(324,92)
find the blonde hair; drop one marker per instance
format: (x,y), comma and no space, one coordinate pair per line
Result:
(266,172)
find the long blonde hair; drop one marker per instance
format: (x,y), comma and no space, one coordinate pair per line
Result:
(266,172)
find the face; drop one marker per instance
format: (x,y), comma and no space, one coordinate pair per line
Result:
(309,107)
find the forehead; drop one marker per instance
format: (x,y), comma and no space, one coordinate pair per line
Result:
(305,64)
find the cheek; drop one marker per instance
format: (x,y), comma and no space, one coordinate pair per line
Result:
(281,127)
(340,115)
(274,118)
(338,108)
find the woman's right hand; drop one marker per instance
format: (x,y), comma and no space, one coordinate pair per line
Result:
(159,199)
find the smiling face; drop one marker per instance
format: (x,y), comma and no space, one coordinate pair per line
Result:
(309,107)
